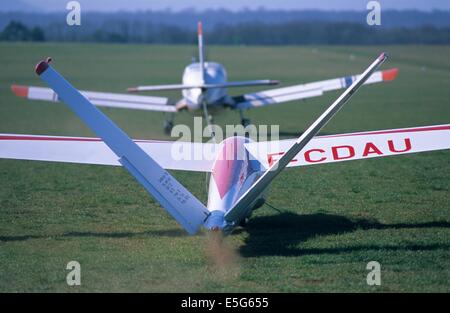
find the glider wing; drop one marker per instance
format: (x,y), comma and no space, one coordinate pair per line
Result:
(169,155)
(355,146)
(239,209)
(174,197)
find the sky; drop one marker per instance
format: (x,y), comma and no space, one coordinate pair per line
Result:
(234,5)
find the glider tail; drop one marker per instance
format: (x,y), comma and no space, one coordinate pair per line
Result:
(172,195)
(240,208)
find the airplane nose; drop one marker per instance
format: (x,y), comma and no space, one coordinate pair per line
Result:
(195,97)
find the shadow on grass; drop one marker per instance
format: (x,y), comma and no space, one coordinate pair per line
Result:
(279,234)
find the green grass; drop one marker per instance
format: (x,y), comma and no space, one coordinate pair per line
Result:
(335,218)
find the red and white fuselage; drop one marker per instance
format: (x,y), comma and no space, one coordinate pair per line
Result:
(233,173)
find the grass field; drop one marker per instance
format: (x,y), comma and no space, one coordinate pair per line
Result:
(334,218)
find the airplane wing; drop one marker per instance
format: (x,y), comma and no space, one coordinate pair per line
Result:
(113,100)
(240,208)
(304,91)
(171,155)
(184,207)
(182,155)
(355,146)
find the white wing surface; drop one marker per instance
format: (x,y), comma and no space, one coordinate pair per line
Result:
(356,146)
(102,99)
(309,90)
(83,150)
(184,207)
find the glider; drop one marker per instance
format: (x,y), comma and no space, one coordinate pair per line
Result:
(204,85)
(241,170)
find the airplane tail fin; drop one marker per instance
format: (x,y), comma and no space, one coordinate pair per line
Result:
(171,194)
(203,85)
(201,59)
(241,206)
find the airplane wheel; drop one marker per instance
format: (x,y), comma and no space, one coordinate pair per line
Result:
(245,122)
(168,127)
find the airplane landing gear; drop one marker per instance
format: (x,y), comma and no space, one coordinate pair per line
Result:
(209,119)
(168,123)
(244,121)
(168,127)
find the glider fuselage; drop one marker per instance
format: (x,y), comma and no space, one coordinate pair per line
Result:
(234,172)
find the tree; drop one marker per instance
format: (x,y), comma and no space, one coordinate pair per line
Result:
(16,31)
(37,34)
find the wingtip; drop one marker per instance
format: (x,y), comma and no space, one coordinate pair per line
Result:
(42,66)
(389,75)
(20,91)
(132,89)
(383,56)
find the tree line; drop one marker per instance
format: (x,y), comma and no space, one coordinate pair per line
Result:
(249,33)
(16,31)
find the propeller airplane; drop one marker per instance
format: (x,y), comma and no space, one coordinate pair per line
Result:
(204,85)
